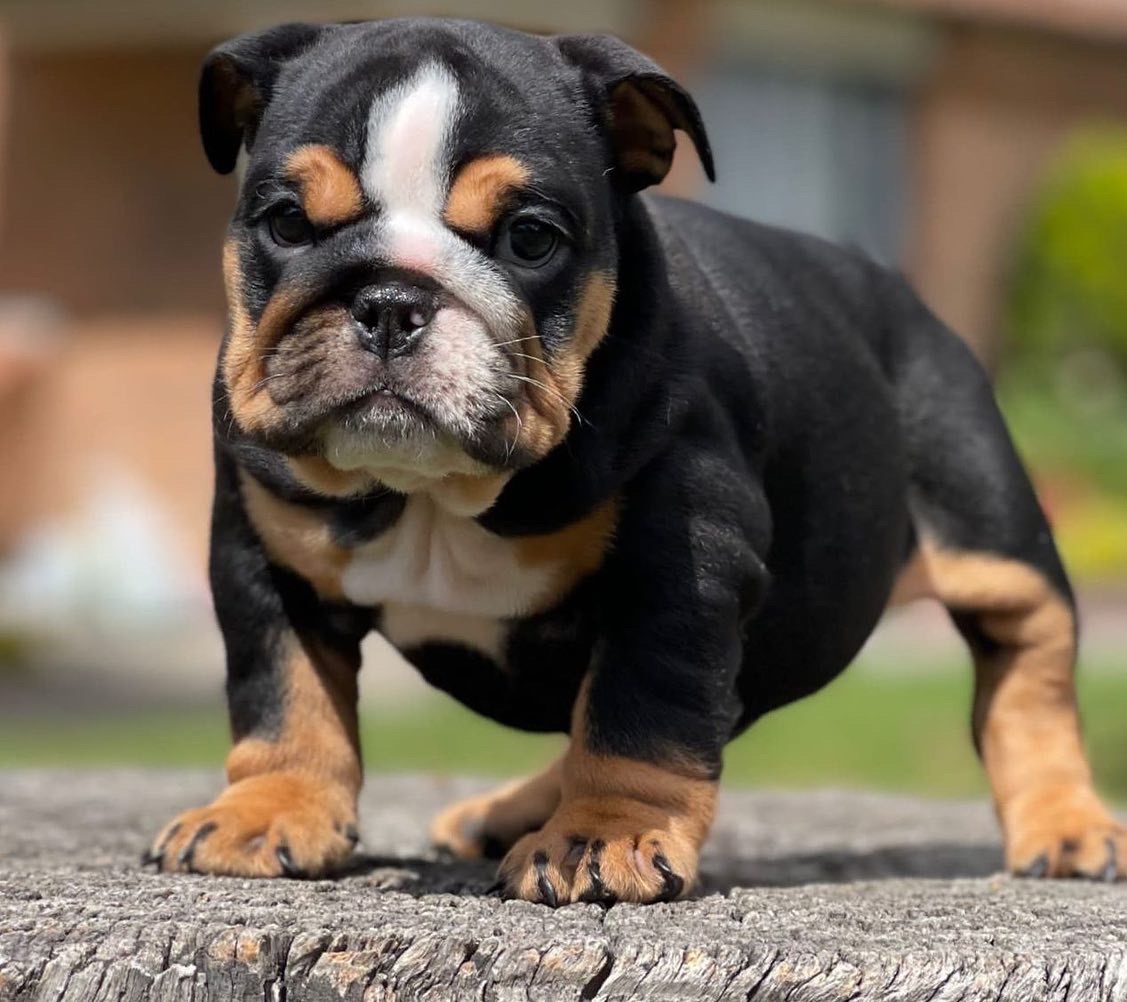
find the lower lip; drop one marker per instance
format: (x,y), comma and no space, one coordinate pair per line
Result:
(385,400)
(388,398)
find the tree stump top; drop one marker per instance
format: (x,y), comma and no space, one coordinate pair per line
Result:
(807,897)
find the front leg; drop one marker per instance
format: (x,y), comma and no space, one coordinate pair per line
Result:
(639,780)
(294,770)
(625,830)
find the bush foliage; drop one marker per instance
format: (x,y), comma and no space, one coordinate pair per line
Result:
(1064,380)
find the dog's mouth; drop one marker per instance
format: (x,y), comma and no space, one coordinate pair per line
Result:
(383,415)
(383,402)
(392,433)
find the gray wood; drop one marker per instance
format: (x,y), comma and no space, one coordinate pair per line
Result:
(808,897)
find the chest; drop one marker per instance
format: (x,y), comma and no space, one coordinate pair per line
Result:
(436,560)
(436,575)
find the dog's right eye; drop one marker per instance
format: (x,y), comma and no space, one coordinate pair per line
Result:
(289,227)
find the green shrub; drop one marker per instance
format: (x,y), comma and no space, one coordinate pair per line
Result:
(1070,289)
(1064,381)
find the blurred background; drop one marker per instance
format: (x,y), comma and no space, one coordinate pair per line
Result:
(981,145)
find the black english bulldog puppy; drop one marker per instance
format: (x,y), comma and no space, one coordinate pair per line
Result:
(595,462)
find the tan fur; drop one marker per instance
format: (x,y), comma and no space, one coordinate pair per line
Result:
(319,731)
(477,196)
(1026,724)
(241,362)
(621,814)
(911,583)
(502,815)
(296,791)
(318,474)
(330,191)
(468,494)
(246,825)
(245,348)
(547,412)
(578,549)
(295,537)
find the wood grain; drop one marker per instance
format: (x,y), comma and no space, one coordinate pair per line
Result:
(806,897)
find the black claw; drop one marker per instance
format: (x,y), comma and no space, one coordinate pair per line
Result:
(156,853)
(674,883)
(187,854)
(496,889)
(1037,869)
(598,893)
(543,884)
(285,860)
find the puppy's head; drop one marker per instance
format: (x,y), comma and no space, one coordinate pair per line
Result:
(423,256)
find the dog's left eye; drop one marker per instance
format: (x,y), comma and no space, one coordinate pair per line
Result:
(289,227)
(527,242)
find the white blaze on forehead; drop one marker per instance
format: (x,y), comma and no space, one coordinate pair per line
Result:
(407,161)
(407,173)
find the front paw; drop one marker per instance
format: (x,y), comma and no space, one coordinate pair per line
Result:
(271,825)
(1064,832)
(604,850)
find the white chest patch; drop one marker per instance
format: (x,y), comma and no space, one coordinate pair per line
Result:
(434,559)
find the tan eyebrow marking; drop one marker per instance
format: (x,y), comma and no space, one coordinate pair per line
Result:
(479,191)
(330,190)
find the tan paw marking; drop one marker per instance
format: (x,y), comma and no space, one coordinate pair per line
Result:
(603,849)
(271,825)
(1064,832)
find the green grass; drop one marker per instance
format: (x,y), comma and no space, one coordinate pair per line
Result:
(866,730)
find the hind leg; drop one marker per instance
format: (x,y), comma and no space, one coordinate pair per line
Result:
(489,824)
(986,552)
(1026,728)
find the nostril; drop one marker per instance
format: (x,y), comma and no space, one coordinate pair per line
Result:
(419,316)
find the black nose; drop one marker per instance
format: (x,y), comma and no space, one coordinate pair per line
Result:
(392,316)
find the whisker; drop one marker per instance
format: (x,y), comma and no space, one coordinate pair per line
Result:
(265,379)
(559,396)
(520,425)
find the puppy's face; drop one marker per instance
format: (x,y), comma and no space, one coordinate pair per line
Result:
(423,253)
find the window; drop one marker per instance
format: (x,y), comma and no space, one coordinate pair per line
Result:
(825,155)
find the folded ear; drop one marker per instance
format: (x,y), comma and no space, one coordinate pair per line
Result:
(235,85)
(642,106)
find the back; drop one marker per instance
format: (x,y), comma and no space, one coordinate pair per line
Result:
(814,408)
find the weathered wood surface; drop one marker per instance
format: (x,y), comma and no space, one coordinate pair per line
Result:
(808,898)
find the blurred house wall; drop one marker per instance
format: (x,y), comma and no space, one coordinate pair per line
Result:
(106,207)
(109,233)
(998,103)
